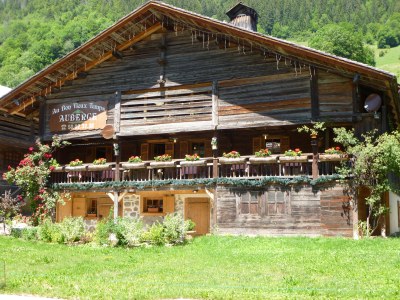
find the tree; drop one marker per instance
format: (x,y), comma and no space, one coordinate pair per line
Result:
(374,160)
(342,40)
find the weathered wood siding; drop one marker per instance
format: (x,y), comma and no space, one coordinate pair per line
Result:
(193,83)
(17,132)
(335,96)
(277,211)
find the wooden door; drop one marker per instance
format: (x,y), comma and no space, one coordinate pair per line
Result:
(198,210)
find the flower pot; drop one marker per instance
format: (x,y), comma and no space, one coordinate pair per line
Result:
(162,164)
(332,157)
(134,165)
(262,160)
(75,168)
(290,159)
(232,161)
(99,167)
(189,163)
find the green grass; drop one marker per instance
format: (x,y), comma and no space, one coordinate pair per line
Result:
(211,267)
(390,61)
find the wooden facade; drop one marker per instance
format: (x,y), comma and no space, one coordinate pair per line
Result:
(168,81)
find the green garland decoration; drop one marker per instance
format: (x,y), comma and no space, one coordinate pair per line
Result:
(237,182)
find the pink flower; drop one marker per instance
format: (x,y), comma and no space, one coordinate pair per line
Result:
(9,168)
(30,149)
(51,168)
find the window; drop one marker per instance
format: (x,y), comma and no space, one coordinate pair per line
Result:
(158,149)
(276,204)
(274,145)
(92,207)
(249,203)
(153,205)
(198,148)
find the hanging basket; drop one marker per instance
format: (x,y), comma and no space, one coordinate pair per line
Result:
(333,157)
(134,165)
(99,167)
(291,159)
(194,163)
(262,160)
(232,161)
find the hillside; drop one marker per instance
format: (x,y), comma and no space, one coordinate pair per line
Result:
(34,33)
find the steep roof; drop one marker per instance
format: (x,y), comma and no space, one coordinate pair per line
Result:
(154,16)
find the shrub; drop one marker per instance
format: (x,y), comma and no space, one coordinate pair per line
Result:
(72,229)
(129,231)
(45,231)
(154,235)
(29,233)
(103,230)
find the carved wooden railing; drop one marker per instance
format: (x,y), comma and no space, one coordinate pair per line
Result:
(244,167)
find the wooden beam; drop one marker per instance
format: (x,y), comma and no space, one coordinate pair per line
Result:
(314,94)
(22,106)
(94,63)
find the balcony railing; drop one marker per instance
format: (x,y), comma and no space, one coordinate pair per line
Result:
(245,167)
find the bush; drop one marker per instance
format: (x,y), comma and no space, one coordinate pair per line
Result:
(129,231)
(45,231)
(103,230)
(29,233)
(72,229)
(154,235)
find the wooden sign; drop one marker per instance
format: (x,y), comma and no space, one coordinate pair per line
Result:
(78,116)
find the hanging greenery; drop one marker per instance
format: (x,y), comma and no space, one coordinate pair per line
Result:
(238,182)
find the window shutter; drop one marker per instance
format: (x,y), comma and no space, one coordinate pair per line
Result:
(183,149)
(285,144)
(109,154)
(64,210)
(169,204)
(144,151)
(79,207)
(169,149)
(207,149)
(257,145)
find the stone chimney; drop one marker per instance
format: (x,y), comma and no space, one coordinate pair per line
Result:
(243,16)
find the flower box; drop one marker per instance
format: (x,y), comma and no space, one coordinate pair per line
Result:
(99,167)
(232,161)
(134,165)
(332,157)
(262,160)
(76,168)
(152,209)
(92,215)
(59,169)
(192,163)
(291,159)
(162,164)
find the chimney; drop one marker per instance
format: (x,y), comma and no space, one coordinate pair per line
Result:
(243,16)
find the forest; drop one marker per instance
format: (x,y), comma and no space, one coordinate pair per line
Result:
(34,33)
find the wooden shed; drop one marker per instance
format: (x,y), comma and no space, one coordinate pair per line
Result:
(163,80)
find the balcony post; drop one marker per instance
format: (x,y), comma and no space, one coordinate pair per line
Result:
(314,167)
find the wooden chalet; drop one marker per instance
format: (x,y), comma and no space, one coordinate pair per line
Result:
(163,80)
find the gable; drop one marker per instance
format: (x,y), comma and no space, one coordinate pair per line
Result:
(154,17)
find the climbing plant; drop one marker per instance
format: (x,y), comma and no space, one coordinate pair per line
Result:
(32,175)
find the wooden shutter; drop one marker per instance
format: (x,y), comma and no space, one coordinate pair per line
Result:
(90,154)
(144,151)
(64,210)
(183,149)
(79,207)
(169,149)
(285,144)
(109,154)
(257,144)
(207,149)
(169,204)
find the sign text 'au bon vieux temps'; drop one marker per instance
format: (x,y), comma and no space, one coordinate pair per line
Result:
(78,116)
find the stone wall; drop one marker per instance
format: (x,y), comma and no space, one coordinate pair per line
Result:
(131,206)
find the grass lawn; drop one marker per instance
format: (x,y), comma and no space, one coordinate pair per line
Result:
(390,61)
(210,267)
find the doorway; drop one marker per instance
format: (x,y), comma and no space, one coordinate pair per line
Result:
(198,210)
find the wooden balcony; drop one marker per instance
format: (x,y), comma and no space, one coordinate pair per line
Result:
(246,167)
